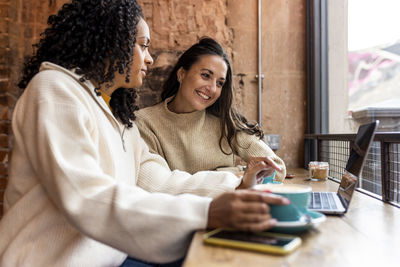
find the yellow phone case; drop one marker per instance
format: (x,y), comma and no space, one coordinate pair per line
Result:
(209,238)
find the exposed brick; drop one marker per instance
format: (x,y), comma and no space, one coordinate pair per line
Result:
(4,154)
(4,141)
(4,73)
(3,113)
(147,99)
(10,2)
(42,16)
(28,33)
(148,10)
(28,49)
(3,85)
(3,171)
(43,7)
(4,54)
(15,72)
(10,112)
(174,26)
(14,31)
(12,14)
(11,100)
(1,208)
(5,127)
(13,88)
(28,11)
(3,25)
(184,20)
(4,10)
(156,78)
(3,100)
(3,41)
(38,30)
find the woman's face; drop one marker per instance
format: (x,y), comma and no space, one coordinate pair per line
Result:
(201,85)
(141,59)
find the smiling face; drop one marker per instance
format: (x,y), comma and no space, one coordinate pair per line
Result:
(201,85)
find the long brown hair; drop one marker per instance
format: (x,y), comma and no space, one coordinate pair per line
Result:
(231,120)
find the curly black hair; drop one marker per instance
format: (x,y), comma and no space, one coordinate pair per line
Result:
(97,38)
(231,120)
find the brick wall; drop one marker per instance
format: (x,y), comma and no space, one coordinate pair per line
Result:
(3,88)
(4,110)
(21,22)
(174,26)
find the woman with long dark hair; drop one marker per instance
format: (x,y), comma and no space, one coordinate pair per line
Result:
(83,189)
(196,126)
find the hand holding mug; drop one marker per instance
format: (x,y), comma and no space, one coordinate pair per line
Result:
(246,210)
(299,196)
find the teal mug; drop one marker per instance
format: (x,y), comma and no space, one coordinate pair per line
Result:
(299,196)
(270,179)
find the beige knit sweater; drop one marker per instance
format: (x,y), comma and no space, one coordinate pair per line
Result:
(190,141)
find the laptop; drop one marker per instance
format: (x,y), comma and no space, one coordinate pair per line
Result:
(338,202)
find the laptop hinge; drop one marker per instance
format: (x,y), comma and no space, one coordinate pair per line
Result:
(344,202)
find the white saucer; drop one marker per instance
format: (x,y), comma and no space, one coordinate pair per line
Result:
(316,218)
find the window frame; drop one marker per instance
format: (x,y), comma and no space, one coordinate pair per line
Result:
(317,112)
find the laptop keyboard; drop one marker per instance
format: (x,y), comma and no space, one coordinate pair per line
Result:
(322,200)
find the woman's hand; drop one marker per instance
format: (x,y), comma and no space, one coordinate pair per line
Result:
(257,168)
(246,210)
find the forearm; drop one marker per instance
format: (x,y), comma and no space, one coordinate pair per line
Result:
(114,212)
(155,176)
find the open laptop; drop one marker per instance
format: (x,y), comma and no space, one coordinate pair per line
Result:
(338,202)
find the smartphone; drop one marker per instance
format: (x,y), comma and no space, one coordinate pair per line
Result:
(258,241)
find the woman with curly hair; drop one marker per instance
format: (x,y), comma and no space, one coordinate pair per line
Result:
(83,188)
(196,127)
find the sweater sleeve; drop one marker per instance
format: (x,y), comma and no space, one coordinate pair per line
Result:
(252,146)
(57,131)
(155,176)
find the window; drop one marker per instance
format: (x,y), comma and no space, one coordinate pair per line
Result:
(364,64)
(353,77)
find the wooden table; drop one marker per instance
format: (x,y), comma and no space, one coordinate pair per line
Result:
(367,235)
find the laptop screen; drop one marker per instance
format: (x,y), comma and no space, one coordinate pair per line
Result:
(358,154)
(360,147)
(347,187)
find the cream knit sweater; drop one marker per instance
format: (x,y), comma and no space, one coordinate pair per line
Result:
(190,141)
(85,191)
